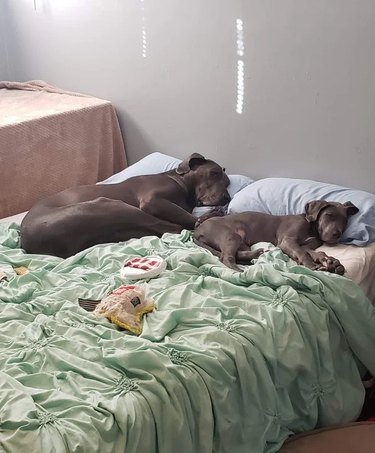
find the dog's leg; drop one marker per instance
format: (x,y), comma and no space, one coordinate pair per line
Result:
(223,244)
(327,263)
(229,250)
(291,248)
(310,258)
(243,256)
(246,256)
(169,212)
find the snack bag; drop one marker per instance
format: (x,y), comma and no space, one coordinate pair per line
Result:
(125,307)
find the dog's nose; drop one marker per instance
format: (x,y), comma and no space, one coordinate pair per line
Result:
(336,234)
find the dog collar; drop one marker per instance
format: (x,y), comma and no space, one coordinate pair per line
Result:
(179,182)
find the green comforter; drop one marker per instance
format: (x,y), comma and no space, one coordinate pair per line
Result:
(229,362)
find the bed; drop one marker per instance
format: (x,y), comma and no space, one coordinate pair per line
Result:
(46,129)
(228,361)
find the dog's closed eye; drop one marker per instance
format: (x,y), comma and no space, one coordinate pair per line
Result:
(217,174)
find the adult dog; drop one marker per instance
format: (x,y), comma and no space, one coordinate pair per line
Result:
(231,236)
(75,219)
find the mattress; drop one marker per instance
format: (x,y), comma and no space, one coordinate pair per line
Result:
(65,138)
(359,263)
(229,362)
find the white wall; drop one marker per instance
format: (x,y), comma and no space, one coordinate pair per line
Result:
(309,72)
(4,60)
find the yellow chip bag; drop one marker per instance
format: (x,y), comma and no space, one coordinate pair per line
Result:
(125,307)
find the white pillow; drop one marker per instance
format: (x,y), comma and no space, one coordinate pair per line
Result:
(159,162)
(149,165)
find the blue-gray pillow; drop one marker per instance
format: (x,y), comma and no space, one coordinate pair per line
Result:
(159,162)
(280,196)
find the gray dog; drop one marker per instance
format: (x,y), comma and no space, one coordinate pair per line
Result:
(230,237)
(77,218)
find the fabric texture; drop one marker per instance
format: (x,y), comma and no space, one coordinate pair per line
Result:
(50,140)
(37,85)
(280,196)
(229,362)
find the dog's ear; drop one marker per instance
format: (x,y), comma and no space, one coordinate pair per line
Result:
(313,208)
(189,163)
(350,208)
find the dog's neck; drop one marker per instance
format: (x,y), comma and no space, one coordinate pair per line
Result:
(313,230)
(173,175)
(185,183)
(313,234)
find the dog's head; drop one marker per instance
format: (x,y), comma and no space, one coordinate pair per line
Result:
(206,179)
(331,218)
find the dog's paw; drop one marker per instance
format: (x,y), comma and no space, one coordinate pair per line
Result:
(230,262)
(334,266)
(331,265)
(218,211)
(258,252)
(340,270)
(327,263)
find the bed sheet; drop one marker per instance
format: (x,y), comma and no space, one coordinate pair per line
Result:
(359,263)
(229,362)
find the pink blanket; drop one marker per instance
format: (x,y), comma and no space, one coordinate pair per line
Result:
(51,139)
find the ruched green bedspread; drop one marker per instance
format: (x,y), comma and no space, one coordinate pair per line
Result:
(229,362)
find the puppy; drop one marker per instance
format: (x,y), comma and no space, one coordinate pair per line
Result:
(230,237)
